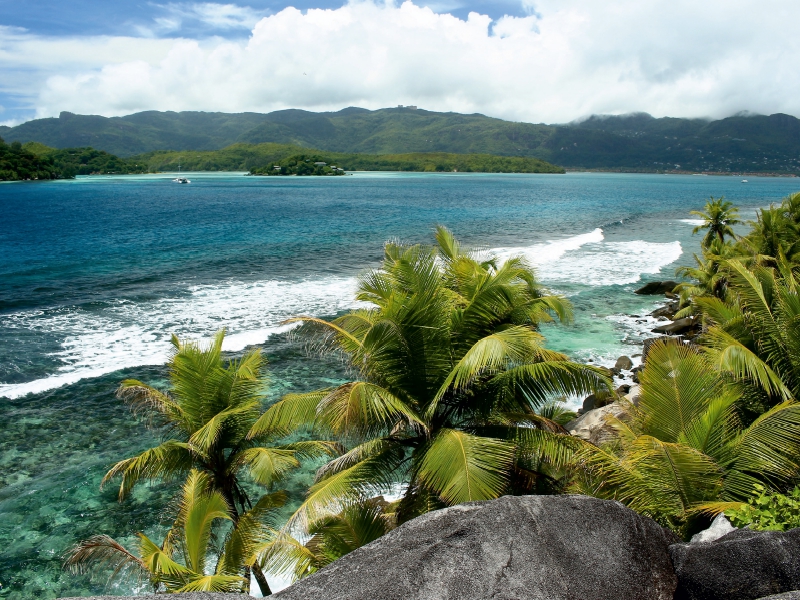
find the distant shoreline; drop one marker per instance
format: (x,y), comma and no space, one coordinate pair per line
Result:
(674,172)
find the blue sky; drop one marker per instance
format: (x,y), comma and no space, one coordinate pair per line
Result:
(131,17)
(527,60)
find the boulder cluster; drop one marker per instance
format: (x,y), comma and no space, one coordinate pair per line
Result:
(555,548)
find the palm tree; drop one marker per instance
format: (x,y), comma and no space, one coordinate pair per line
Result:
(683,450)
(719,218)
(180,562)
(450,367)
(207,414)
(775,234)
(754,335)
(332,537)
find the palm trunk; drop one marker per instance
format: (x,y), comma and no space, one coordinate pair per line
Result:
(261,579)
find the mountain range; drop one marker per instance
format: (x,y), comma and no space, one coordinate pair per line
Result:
(638,142)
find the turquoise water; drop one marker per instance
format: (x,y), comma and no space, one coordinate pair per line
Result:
(97,273)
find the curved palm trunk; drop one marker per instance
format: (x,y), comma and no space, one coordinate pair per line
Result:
(261,579)
(258,573)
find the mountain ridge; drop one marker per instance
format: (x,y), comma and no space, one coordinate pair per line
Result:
(638,141)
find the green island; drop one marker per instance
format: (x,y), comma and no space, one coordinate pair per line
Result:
(33,160)
(455,398)
(261,159)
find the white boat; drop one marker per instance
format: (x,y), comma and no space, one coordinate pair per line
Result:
(180,179)
(744,180)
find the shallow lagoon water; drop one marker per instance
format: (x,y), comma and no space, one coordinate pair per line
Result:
(98,272)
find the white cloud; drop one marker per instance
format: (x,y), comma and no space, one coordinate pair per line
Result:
(210,14)
(569,58)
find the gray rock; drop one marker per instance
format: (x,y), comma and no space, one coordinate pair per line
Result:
(588,403)
(667,310)
(742,565)
(793,595)
(623,389)
(532,547)
(624,363)
(593,425)
(645,349)
(654,288)
(676,327)
(720,526)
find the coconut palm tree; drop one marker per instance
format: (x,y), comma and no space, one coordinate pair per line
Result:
(181,562)
(449,368)
(684,449)
(719,217)
(331,537)
(775,234)
(754,335)
(206,415)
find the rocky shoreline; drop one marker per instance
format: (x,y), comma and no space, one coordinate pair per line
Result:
(554,548)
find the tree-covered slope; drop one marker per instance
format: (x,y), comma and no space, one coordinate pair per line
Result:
(260,157)
(138,133)
(86,161)
(740,143)
(17,164)
(630,142)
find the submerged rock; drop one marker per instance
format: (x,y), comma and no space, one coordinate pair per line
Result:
(742,565)
(532,547)
(667,311)
(676,327)
(624,363)
(654,288)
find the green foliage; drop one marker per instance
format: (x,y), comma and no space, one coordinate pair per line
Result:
(86,161)
(684,449)
(181,562)
(18,163)
(331,537)
(629,142)
(719,218)
(299,164)
(766,511)
(449,371)
(207,413)
(262,159)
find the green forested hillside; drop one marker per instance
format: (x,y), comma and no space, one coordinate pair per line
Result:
(631,142)
(85,161)
(18,163)
(261,159)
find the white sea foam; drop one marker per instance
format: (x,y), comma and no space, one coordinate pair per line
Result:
(590,260)
(94,342)
(129,334)
(694,222)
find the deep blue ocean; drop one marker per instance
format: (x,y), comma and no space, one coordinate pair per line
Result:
(97,273)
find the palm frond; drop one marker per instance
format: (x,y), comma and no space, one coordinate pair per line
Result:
(461,467)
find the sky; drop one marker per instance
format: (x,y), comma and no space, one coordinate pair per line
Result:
(541,61)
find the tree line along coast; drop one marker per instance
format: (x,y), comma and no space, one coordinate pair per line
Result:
(407,139)
(455,397)
(32,161)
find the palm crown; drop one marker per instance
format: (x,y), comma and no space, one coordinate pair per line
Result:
(718,219)
(207,413)
(450,368)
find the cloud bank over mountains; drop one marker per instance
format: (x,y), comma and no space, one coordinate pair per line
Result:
(568,58)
